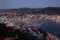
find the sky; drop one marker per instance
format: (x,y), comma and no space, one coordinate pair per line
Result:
(8,4)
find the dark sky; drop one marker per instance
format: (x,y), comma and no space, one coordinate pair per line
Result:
(6,4)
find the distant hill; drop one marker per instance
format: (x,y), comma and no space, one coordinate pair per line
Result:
(47,10)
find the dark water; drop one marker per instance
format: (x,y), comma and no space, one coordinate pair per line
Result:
(51,27)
